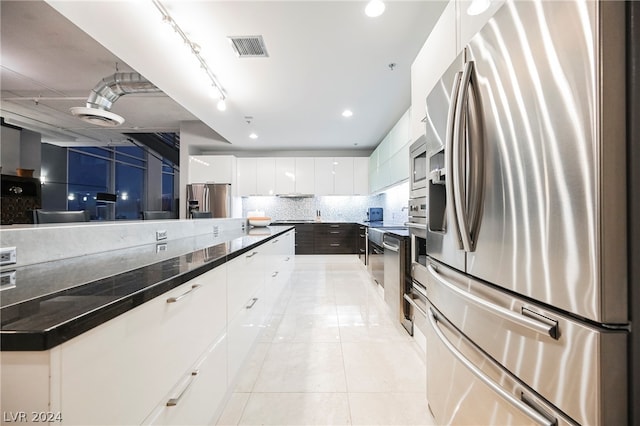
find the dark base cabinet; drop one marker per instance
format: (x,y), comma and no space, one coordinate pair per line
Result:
(329,238)
(361,242)
(305,238)
(335,238)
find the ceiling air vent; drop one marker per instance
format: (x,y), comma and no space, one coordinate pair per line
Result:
(249,46)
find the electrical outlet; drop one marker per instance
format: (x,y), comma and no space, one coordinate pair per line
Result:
(161,247)
(7,280)
(161,235)
(215,231)
(8,256)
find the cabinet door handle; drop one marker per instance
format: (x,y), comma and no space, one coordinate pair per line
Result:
(274,241)
(177,298)
(252,254)
(275,274)
(174,401)
(253,302)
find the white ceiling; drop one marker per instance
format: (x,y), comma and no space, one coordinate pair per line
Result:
(324,57)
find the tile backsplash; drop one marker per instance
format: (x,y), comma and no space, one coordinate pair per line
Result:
(332,208)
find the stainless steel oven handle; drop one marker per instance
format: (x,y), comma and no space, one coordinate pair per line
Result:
(420,289)
(414,304)
(416,225)
(524,408)
(390,247)
(527,322)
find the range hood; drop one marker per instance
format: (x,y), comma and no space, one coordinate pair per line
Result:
(295,195)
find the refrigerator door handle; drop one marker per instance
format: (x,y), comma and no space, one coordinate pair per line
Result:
(206,199)
(460,158)
(449,157)
(475,145)
(517,403)
(548,327)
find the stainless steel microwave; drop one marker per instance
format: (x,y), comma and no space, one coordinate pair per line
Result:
(418,161)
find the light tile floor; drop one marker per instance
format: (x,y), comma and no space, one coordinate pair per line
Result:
(331,356)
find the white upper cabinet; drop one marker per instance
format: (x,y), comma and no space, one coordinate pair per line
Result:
(266,176)
(285,175)
(361,176)
(323,176)
(437,53)
(455,28)
(343,176)
(305,175)
(212,169)
(317,176)
(391,156)
(247,177)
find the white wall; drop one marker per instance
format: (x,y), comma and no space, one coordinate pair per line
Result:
(20,149)
(195,137)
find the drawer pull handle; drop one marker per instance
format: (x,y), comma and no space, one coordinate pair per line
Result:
(252,254)
(334,232)
(174,401)
(274,241)
(253,302)
(335,245)
(177,298)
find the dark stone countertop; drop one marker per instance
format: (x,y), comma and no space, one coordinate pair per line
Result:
(40,319)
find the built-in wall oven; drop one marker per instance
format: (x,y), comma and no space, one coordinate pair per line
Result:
(418,162)
(415,300)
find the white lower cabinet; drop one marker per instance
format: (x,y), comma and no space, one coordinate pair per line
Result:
(242,331)
(197,398)
(137,357)
(245,304)
(167,362)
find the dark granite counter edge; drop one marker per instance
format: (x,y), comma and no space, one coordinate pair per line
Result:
(41,340)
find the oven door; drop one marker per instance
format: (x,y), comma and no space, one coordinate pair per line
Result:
(418,162)
(418,240)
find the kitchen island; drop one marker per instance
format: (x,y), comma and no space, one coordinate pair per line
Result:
(155,339)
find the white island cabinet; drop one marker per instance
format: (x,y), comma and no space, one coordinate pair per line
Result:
(167,361)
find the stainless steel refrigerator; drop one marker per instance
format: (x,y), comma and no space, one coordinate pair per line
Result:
(209,197)
(526,274)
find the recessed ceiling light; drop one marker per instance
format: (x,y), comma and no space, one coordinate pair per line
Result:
(347,113)
(253,136)
(374,8)
(478,6)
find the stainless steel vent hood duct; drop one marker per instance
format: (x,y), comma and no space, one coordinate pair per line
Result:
(106,92)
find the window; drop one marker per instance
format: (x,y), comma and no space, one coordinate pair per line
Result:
(168,176)
(120,171)
(90,174)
